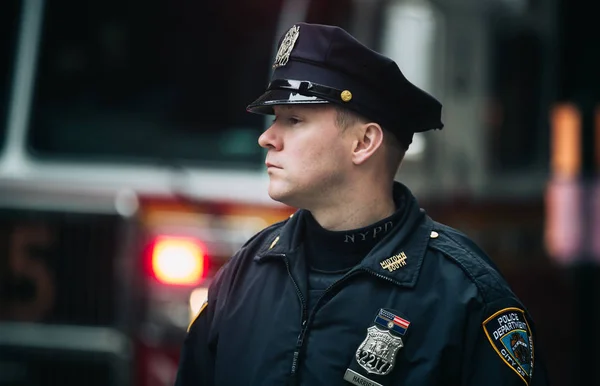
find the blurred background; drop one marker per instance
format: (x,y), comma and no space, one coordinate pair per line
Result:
(130,171)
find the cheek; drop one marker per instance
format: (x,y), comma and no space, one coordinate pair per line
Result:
(323,159)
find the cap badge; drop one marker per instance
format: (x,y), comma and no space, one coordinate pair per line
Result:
(346,96)
(285,49)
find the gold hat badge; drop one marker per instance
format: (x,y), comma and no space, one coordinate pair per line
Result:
(287,44)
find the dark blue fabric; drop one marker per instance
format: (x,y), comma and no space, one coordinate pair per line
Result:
(256,329)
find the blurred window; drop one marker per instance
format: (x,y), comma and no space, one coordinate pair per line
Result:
(153,81)
(521,90)
(335,12)
(9,21)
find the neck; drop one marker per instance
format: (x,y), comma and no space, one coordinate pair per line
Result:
(355,208)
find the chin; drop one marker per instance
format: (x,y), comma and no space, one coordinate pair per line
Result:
(278,196)
(281,194)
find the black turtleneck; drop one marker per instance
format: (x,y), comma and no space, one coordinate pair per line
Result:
(330,254)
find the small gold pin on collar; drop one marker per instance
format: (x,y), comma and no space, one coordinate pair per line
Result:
(274,242)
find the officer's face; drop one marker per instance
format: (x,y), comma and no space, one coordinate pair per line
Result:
(308,155)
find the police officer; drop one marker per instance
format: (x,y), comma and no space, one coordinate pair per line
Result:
(360,286)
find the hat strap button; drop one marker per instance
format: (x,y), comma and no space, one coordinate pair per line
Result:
(346,96)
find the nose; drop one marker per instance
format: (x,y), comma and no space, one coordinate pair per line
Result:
(269,139)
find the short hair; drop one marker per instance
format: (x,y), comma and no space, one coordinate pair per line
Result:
(395,150)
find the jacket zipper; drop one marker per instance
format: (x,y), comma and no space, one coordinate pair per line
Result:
(381,276)
(304,327)
(299,342)
(346,277)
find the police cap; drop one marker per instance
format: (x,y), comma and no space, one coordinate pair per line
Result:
(318,64)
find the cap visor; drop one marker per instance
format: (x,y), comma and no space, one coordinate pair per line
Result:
(264,104)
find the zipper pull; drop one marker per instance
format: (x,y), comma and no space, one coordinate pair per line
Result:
(293,380)
(301,335)
(299,343)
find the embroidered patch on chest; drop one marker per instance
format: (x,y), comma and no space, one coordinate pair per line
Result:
(510,336)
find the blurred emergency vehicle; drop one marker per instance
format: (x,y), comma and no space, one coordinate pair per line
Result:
(130,171)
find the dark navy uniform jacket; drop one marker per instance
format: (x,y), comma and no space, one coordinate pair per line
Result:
(460,323)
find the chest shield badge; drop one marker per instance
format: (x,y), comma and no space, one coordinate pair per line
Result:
(377,353)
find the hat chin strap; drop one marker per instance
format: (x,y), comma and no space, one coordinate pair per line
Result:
(307,88)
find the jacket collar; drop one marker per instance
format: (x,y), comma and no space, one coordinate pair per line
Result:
(397,257)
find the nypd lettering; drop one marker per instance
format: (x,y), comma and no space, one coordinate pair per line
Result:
(369,234)
(510,336)
(377,353)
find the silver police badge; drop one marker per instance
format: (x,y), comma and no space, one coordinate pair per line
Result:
(287,44)
(377,353)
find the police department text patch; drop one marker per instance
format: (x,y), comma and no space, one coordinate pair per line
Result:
(509,334)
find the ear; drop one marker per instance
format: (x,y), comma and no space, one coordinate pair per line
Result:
(369,139)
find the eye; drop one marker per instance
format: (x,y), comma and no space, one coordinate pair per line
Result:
(288,121)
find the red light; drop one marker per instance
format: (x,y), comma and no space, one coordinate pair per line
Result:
(178,260)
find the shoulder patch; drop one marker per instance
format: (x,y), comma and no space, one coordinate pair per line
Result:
(510,336)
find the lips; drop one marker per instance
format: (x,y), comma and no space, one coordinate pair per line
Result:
(270,165)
